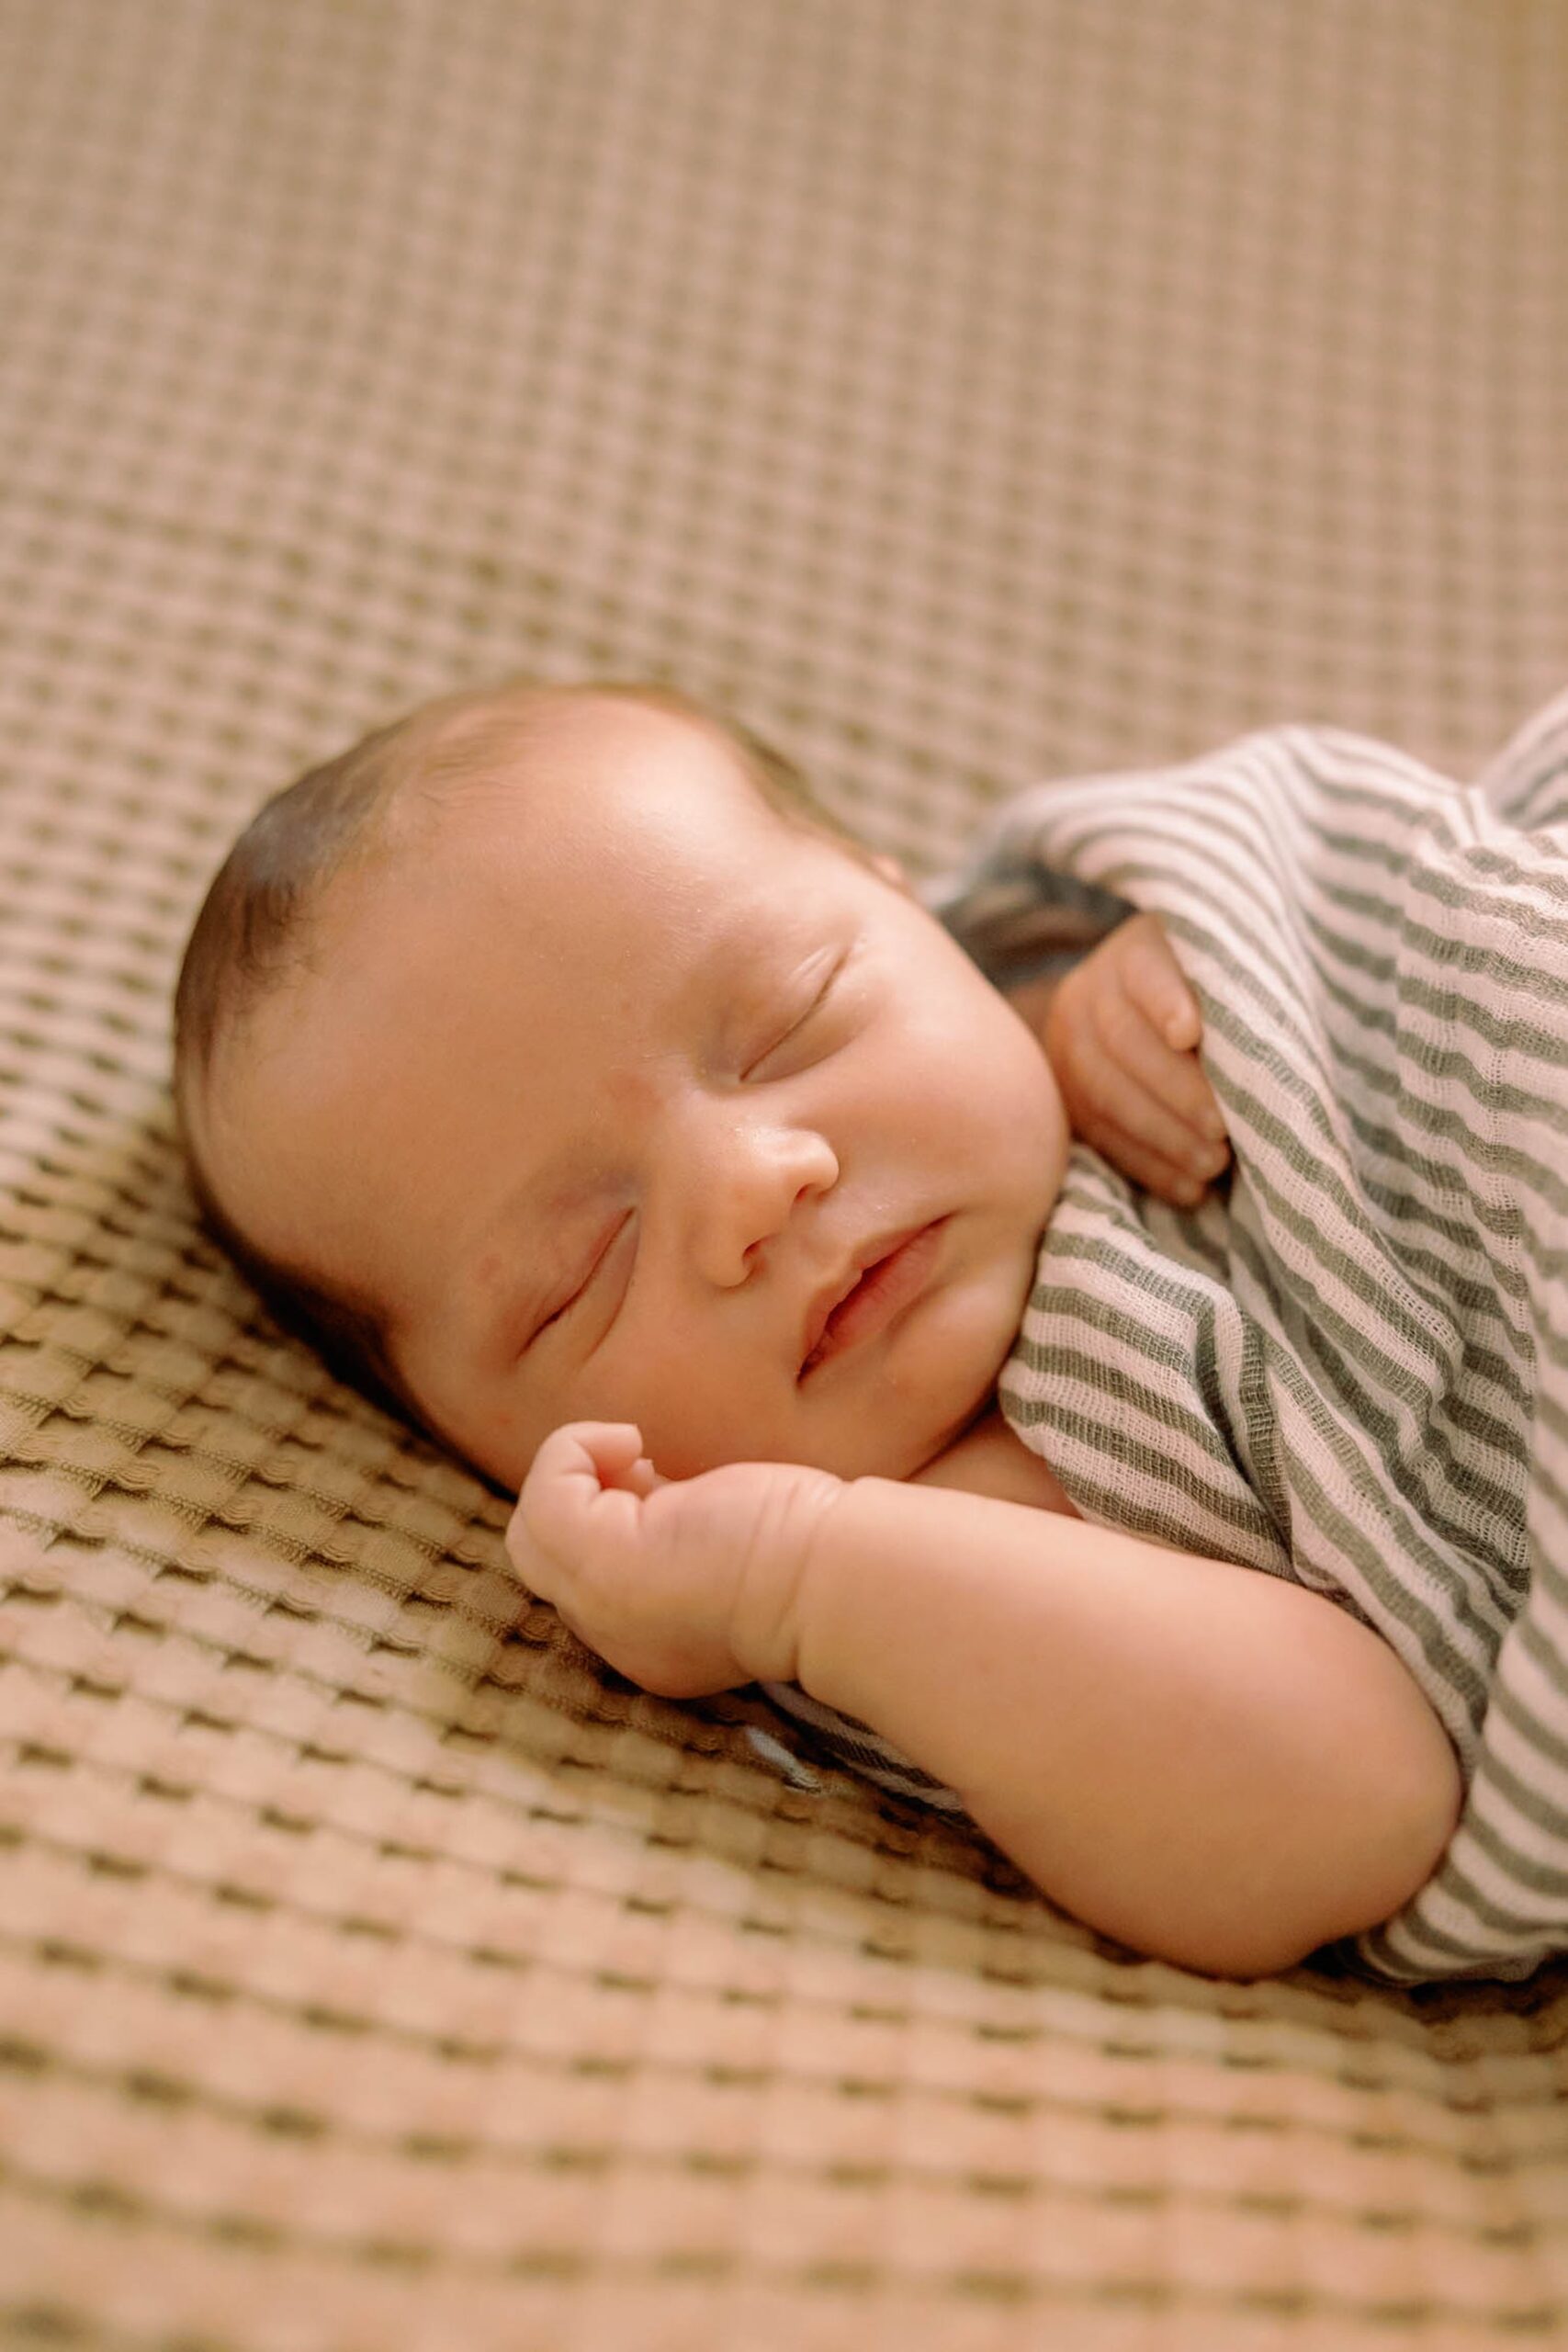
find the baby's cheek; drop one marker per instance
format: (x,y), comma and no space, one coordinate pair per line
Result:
(661,1379)
(1038,1087)
(1021,1107)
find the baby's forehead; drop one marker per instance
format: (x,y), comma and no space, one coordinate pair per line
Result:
(575,736)
(547,807)
(596,771)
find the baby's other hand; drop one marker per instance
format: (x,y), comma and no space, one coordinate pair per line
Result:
(1121,1031)
(687,1584)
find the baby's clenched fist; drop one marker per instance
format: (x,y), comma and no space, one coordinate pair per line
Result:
(687,1586)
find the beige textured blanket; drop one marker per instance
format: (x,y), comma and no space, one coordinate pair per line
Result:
(962,393)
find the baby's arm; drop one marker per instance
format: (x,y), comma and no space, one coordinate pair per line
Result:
(1212,1765)
(1215,1766)
(1120,1030)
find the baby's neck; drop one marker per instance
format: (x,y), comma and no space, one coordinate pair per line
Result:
(989,1460)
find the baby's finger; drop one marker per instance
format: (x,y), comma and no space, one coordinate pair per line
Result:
(1183,1086)
(1171,1180)
(1152,1073)
(611,1448)
(566,1501)
(1155,984)
(639,1478)
(1146,1116)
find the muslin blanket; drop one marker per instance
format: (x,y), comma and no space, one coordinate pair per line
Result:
(1351,1367)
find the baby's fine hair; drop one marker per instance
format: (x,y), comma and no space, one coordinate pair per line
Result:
(259,922)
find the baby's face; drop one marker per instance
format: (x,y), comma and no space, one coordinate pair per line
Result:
(610,1093)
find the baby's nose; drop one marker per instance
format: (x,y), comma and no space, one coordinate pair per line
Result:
(755,1179)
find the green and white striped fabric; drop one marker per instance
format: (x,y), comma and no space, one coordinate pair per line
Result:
(1353,1370)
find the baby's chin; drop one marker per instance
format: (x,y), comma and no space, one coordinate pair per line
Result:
(923,1456)
(902,1448)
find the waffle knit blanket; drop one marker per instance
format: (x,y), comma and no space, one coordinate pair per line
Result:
(1352,1369)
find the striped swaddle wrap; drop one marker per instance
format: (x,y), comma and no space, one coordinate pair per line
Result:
(1352,1368)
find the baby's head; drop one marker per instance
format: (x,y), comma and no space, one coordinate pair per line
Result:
(548,1058)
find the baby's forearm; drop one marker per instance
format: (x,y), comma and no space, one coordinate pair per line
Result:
(1211,1764)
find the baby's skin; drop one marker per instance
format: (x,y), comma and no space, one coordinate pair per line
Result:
(698,1178)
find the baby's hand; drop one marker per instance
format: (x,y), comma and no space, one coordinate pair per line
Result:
(1121,1031)
(688,1585)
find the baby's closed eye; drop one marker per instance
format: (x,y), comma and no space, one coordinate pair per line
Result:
(616,1249)
(799,1021)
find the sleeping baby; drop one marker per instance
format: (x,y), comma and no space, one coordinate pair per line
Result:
(845,1293)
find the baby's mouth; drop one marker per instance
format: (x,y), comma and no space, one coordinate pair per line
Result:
(889,1279)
